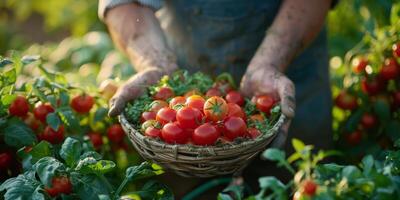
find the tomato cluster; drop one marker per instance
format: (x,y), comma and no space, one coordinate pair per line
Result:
(203,118)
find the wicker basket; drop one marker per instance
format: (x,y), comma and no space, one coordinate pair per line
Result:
(198,161)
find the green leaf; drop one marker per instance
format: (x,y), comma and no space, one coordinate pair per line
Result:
(395,14)
(46,168)
(53,120)
(144,170)
(24,186)
(18,134)
(4,62)
(90,165)
(90,186)
(100,114)
(69,118)
(93,154)
(8,78)
(7,99)
(64,99)
(29,59)
(382,109)
(155,190)
(274,154)
(41,150)
(298,145)
(368,163)
(71,151)
(351,173)
(235,191)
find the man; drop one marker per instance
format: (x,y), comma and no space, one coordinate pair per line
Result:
(267,45)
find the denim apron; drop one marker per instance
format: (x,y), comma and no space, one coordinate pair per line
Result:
(216,36)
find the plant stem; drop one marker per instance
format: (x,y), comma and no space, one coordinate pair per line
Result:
(119,190)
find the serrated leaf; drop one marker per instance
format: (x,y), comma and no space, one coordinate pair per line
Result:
(71,151)
(18,134)
(53,120)
(46,168)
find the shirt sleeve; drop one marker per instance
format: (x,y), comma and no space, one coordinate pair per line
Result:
(104,5)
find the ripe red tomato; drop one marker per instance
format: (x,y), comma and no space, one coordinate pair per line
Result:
(213,92)
(53,136)
(257,117)
(166,115)
(253,133)
(215,109)
(147,116)
(42,111)
(115,133)
(235,110)
(369,120)
(354,138)
(156,105)
(189,118)
(194,92)
(19,107)
(234,127)
(205,134)
(195,101)
(177,102)
(390,70)
(82,103)
(264,103)
(172,133)
(150,123)
(164,93)
(372,86)
(59,185)
(346,101)
(309,187)
(396,50)
(396,98)
(96,139)
(6,159)
(234,97)
(152,132)
(359,65)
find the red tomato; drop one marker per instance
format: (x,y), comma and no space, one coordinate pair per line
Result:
(359,65)
(215,109)
(53,136)
(396,99)
(19,107)
(166,115)
(213,92)
(354,138)
(346,101)
(147,116)
(96,139)
(264,103)
(369,120)
(192,93)
(234,97)
(309,187)
(257,117)
(33,123)
(42,111)
(235,110)
(156,105)
(59,185)
(177,103)
(152,132)
(189,118)
(396,50)
(253,133)
(390,70)
(115,133)
(205,134)
(195,101)
(164,93)
(172,133)
(223,86)
(234,127)
(150,123)
(6,159)
(82,103)
(373,86)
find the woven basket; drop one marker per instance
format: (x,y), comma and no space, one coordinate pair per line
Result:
(199,161)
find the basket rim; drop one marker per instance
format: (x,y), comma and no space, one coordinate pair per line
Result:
(193,148)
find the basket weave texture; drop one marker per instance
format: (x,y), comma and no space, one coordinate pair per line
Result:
(199,161)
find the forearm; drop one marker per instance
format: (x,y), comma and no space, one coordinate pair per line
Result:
(296,25)
(136,31)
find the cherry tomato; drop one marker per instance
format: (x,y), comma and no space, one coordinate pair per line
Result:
(396,98)
(215,109)
(213,92)
(53,136)
(177,102)
(150,123)
(31,121)
(19,107)
(82,103)
(359,65)
(189,118)
(195,101)
(257,117)
(234,97)
(156,105)
(235,110)
(346,101)
(166,115)
(172,133)
(115,133)
(147,116)
(96,139)
(264,103)
(253,133)
(354,138)
(234,127)
(42,111)
(390,70)
(59,185)
(396,50)
(152,132)
(194,92)
(372,86)
(164,93)
(309,187)
(6,159)
(205,134)
(108,88)
(369,120)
